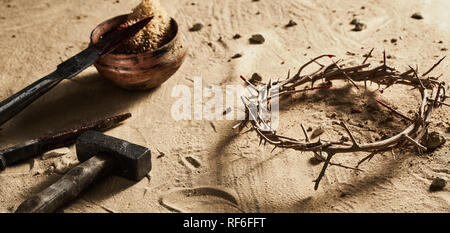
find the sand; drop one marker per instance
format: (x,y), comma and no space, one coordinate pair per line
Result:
(154,34)
(206,166)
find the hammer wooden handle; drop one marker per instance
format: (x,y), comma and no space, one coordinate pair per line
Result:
(69,186)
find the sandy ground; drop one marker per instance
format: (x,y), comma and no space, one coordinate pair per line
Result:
(36,35)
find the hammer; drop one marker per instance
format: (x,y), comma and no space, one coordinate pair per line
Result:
(99,155)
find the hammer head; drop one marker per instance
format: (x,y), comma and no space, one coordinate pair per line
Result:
(132,161)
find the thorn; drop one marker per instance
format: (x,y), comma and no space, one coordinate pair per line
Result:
(370,54)
(416,143)
(249,83)
(275,147)
(346,167)
(306,133)
(393,110)
(249,130)
(236,126)
(439,102)
(434,66)
(355,143)
(368,158)
(345,74)
(415,75)
(319,156)
(322,173)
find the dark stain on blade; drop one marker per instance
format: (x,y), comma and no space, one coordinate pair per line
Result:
(112,40)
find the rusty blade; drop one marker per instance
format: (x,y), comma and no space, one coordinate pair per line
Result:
(43,144)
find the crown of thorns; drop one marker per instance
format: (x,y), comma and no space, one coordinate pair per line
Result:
(432,91)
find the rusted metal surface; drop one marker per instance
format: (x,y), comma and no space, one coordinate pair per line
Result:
(101,155)
(43,144)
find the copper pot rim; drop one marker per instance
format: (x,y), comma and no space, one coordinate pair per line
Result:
(148,53)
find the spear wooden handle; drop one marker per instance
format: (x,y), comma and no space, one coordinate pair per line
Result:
(19,101)
(69,186)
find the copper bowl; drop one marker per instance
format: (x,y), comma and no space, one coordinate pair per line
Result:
(141,71)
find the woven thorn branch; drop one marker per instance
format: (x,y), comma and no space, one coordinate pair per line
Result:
(432,91)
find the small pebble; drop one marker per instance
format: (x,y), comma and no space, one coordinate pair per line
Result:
(221,41)
(196,27)
(333,115)
(393,40)
(291,23)
(237,55)
(434,140)
(257,39)
(237,36)
(228,110)
(161,154)
(417,15)
(359,27)
(319,131)
(367,55)
(438,184)
(354,21)
(255,79)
